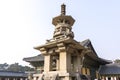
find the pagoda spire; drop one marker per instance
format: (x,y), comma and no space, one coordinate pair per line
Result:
(63,9)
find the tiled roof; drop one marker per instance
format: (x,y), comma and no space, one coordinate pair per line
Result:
(107,69)
(34,58)
(12,74)
(87,44)
(104,61)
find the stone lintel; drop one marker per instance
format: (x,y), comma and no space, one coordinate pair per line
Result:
(53,43)
(61,44)
(61,47)
(43,51)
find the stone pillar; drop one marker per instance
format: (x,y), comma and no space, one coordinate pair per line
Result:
(57,65)
(81,65)
(64,57)
(78,64)
(63,61)
(47,63)
(67,78)
(68,62)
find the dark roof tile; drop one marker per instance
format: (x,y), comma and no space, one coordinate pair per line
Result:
(113,68)
(12,74)
(34,58)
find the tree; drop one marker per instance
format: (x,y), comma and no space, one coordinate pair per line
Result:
(15,67)
(4,66)
(117,61)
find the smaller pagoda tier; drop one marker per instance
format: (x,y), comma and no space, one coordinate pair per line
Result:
(63,25)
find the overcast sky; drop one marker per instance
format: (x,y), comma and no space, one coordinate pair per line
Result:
(25,24)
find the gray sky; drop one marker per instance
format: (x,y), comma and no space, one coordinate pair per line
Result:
(25,24)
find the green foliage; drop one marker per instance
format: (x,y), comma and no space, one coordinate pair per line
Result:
(3,66)
(15,67)
(117,61)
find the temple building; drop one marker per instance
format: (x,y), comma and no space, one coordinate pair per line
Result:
(110,71)
(11,75)
(63,58)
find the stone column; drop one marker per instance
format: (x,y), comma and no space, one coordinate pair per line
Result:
(57,65)
(47,63)
(63,57)
(63,61)
(69,62)
(67,78)
(81,64)
(78,64)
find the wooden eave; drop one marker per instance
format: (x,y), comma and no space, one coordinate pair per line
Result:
(91,53)
(98,61)
(37,63)
(34,58)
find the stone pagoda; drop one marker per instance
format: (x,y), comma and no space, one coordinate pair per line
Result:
(62,54)
(63,58)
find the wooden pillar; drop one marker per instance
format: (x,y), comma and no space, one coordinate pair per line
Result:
(103,77)
(88,71)
(83,71)
(78,64)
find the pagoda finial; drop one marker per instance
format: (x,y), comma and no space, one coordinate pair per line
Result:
(63,6)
